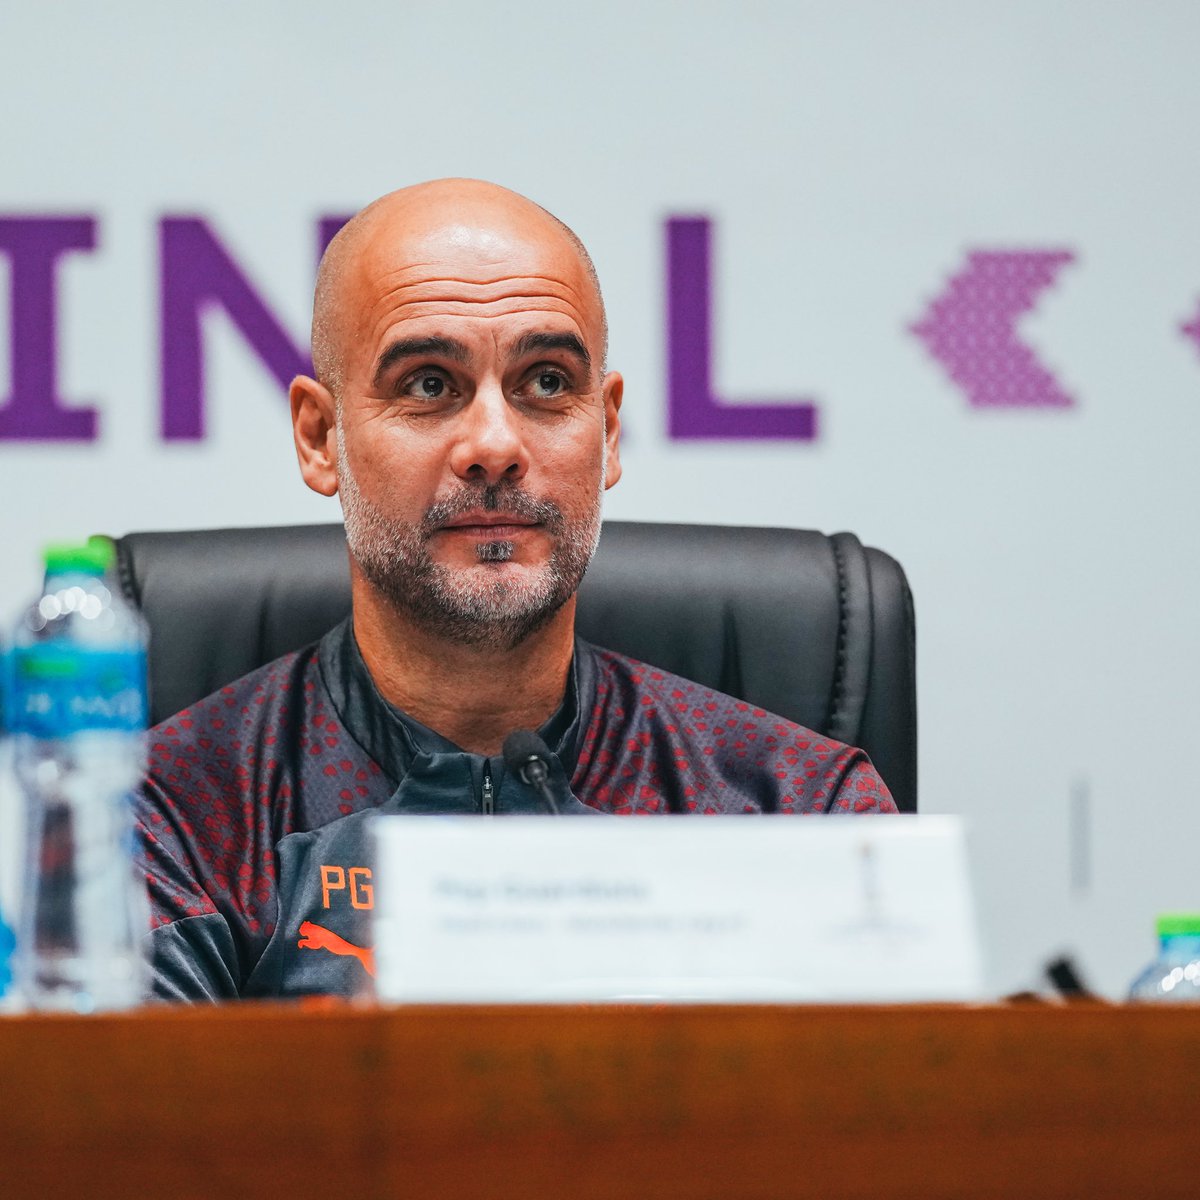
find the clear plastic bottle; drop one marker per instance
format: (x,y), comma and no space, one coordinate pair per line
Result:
(6,949)
(1174,976)
(75,705)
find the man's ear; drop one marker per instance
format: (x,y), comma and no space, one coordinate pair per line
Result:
(314,427)
(613,389)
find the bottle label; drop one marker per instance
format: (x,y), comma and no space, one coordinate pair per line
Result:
(7,943)
(56,690)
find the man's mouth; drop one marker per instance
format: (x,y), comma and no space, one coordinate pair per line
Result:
(489,524)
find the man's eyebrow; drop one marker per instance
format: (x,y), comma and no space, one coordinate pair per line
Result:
(414,348)
(532,342)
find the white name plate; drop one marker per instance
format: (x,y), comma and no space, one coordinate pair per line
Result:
(738,908)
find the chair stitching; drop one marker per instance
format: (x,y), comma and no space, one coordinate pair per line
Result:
(127,576)
(839,671)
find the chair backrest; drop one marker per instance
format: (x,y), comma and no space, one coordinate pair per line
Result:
(816,628)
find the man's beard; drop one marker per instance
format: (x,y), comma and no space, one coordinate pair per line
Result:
(473,606)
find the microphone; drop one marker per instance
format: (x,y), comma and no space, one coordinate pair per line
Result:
(529,757)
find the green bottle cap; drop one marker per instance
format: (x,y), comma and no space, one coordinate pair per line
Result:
(92,558)
(1178,925)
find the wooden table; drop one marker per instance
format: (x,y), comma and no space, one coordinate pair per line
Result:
(772,1102)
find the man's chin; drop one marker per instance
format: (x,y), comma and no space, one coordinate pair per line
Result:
(496,567)
(489,605)
(507,587)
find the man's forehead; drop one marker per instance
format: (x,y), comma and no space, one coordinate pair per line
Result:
(457,279)
(484,258)
(457,248)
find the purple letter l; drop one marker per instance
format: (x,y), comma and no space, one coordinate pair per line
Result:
(694,411)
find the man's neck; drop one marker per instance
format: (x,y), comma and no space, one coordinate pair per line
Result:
(473,696)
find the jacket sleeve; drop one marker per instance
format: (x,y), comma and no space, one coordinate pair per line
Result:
(191,948)
(193,959)
(860,788)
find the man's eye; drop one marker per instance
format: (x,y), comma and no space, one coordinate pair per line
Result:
(425,387)
(548,383)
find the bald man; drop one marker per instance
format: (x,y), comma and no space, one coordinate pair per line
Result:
(463,413)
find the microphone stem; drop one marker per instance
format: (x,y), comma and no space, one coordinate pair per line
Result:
(537,775)
(548,798)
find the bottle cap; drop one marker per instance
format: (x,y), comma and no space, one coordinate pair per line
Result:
(1178,925)
(92,558)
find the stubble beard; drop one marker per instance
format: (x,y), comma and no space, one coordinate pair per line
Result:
(471,606)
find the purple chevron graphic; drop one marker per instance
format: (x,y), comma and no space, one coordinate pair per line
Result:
(1192,328)
(971,328)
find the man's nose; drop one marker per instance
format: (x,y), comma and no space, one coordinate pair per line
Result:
(490,445)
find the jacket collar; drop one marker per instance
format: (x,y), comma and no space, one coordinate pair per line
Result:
(400,744)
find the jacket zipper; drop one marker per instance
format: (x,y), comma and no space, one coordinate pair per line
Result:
(488,799)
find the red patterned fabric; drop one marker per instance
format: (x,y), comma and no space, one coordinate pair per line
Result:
(270,760)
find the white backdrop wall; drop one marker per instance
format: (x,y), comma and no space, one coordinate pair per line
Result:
(849,156)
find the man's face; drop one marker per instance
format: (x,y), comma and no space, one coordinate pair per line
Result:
(476,433)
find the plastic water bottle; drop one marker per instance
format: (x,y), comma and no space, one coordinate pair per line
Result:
(1174,976)
(75,706)
(6,949)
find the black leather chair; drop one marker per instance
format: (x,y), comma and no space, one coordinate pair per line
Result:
(815,628)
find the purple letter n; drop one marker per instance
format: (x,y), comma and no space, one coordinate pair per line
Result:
(694,410)
(35,410)
(197,272)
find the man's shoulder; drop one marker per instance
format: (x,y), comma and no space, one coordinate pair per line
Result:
(272,694)
(665,694)
(272,740)
(705,750)
(248,744)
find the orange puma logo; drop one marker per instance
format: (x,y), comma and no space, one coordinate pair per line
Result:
(317,937)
